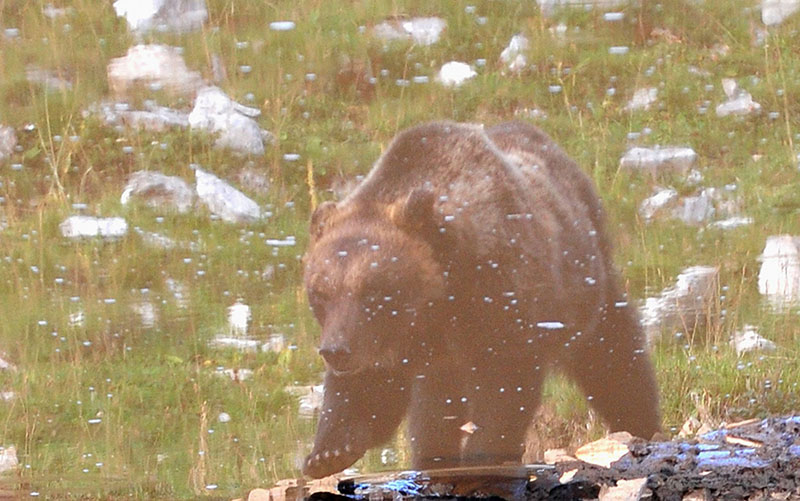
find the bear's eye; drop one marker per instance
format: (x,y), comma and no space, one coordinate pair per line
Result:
(317,301)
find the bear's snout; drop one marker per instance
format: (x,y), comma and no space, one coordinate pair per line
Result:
(338,358)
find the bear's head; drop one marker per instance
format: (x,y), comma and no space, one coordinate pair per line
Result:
(372,282)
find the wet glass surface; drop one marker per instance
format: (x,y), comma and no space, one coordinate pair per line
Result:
(162,335)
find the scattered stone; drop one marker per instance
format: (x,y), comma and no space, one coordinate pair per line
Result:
(159,191)
(276,343)
(224,200)
(553,456)
(155,67)
(605,451)
(243,344)
(749,340)
(51,12)
(739,102)
(164,15)
(8,140)
(732,222)
(310,399)
(8,459)
(548,7)
(233,123)
(513,56)
(179,291)
(696,209)
(239,316)
(774,12)
(420,30)
(698,495)
(88,226)
(147,313)
(779,277)
(664,197)
(658,160)
(224,417)
(455,73)
(7,396)
(692,302)
(642,99)
(47,79)
(7,366)
(625,490)
(236,375)
(153,118)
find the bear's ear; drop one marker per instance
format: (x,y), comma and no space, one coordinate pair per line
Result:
(320,217)
(416,214)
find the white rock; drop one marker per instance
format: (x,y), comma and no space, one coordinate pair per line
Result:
(148,315)
(775,11)
(232,122)
(7,366)
(47,79)
(179,291)
(157,119)
(691,302)
(651,205)
(239,316)
(779,276)
(455,73)
(238,343)
(696,209)
(549,6)
(310,399)
(224,200)
(276,343)
(159,191)
(514,54)
(739,102)
(8,140)
(657,160)
(420,30)
(625,490)
(748,340)
(165,15)
(642,99)
(155,66)
(88,226)
(52,12)
(732,222)
(235,374)
(224,417)
(8,459)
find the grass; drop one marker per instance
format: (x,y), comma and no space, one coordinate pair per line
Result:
(109,407)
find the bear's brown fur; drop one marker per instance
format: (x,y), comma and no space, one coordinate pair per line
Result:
(466,265)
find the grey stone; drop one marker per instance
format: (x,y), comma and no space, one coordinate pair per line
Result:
(224,200)
(748,340)
(8,140)
(739,102)
(88,226)
(692,302)
(420,30)
(233,124)
(163,15)
(155,67)
(774,12)
(658,160)
(159,191)
(779,276)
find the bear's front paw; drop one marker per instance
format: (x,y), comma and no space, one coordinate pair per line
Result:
(320,464)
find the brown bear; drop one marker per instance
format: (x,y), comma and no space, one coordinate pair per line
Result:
(468,263)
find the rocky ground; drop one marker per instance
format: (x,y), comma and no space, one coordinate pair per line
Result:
(754,460)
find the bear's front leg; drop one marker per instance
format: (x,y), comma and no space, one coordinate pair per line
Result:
(359,411)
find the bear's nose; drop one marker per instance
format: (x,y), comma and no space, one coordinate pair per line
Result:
(337,358)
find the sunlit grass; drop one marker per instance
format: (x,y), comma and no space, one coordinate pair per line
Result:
(107,406)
